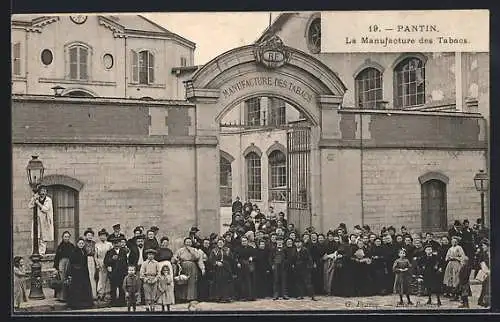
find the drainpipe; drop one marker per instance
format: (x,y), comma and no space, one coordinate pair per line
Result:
(26,69)
(361,169)
(196,166)
(126,67)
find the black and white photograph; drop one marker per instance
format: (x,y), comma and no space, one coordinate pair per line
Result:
(250,161)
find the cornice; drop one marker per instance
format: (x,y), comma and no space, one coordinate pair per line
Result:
(117,29)
(39,23)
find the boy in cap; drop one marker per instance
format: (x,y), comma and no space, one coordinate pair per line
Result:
(131,286)
(150,272)
(117,266)
(116,233)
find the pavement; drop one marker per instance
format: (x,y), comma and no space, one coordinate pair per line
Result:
(324,303)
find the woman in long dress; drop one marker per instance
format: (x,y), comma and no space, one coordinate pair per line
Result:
(61,264)
(80,292)
(191,263)
(221,261)
(90,251)
(342,275)
(484,262)
(328,258)
(454,258)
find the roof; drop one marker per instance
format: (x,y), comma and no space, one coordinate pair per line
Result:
(276,25)
(131,24)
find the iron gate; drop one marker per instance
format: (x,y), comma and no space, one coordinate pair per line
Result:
(298,175)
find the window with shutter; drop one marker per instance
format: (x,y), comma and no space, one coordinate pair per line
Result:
(151,68)
(73,63)
(145,68)
(16,59)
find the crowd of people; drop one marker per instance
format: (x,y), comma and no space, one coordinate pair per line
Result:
(262,256)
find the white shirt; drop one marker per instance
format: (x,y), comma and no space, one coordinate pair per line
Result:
(141,260)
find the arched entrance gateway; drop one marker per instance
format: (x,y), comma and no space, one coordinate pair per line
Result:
(268,69)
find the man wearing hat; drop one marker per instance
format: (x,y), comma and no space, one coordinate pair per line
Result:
(149,273)
(237,206)
(45,218)
(456,230)
(116,233)
(137,232)
(117,266)
(193,235)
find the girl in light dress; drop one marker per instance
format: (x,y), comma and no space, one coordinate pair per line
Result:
(455,259)
(166,287)
(401,268)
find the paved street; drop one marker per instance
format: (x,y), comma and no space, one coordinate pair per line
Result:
(323,303)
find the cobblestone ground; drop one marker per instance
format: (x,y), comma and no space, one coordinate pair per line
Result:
(323,303)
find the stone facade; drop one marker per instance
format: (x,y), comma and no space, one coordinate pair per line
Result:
(118,36)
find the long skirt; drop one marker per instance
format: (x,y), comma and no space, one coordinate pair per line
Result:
(92,273)
(80,293)
(189,291)
(19,291)
(62,294)
(402,283)
(222,287)
(451,274)
(103,286)
(150,292)
(329,269)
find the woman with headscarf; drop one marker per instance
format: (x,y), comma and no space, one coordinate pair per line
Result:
(378,267)
(221,261)
(80,291)
(205,280)
(190,262)
(484,262)
(62,264)
(454,258)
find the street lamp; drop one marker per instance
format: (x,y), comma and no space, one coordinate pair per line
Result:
(58,90)
(481,183)
(34,170)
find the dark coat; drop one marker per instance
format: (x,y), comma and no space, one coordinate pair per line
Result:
(237,206)
(118,263)
(430,267)
(133,257)
(80,291)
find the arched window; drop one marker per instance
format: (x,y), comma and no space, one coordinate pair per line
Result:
(65,206)
(78,62)
(253,176)
(78,93)
(409,83)
(225,182)
(143,67)
(434,217)
(369,88)
(277,165)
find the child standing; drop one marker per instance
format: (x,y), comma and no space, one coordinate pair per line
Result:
(150,270)
(19,280)
(132,287)
(463,282)
(401,268)
(166,287)
(431,269)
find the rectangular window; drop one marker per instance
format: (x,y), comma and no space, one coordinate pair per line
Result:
(83,63)
(183,62)
(278,112)
(16,59)
(254,177)
(253,112)
(73,63)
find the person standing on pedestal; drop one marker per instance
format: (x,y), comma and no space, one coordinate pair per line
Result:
(45,218)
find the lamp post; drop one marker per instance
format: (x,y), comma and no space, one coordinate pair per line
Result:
(35,170)
(58,90)
(481,183)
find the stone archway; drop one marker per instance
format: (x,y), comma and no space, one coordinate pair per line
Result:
(266,69)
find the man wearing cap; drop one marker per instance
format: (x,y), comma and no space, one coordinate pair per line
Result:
(117,234)
(45,218)
(193,235)
(117,266)
(149,273)
(237,206)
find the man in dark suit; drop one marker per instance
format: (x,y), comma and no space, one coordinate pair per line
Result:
(117,266)
(237,206)
(116,234)
(467,241)
(302,264)
(456,230)
(136,257)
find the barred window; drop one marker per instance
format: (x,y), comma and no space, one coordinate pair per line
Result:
(277,165)
(225,182)
(410,83)
(369,88)
(253,176)
(253,111)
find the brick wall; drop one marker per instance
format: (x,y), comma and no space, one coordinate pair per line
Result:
(130,185)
